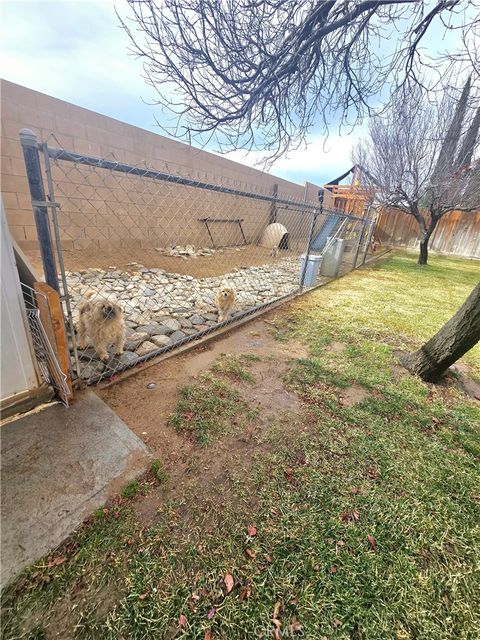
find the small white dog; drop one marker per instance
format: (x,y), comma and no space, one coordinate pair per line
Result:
(225,299)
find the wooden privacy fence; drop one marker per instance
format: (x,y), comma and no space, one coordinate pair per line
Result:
(457,233)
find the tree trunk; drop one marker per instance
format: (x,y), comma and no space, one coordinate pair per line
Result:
(423,257)
(426,235)
(455,338)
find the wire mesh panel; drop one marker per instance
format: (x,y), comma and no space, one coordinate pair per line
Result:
(48,365)
(150,260)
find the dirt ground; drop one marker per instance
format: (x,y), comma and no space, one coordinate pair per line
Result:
(222,261)
(146,411)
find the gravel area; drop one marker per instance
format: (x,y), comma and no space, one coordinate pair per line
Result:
(162,308)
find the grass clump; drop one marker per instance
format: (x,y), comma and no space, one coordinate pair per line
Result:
(131,489)
(159,473)
(234,367)
(206,409)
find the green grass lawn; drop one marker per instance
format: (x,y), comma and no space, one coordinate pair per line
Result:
(346,520)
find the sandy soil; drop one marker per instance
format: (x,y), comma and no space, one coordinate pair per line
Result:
(222,261)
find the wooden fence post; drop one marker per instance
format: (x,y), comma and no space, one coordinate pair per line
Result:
(51,316)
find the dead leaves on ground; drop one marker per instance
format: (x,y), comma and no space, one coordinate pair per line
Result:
(229,582)
(245,591)
(182,621)
(293,627)
(347,516)
(372,542)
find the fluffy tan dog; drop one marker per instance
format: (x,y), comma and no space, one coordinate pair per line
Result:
(225,299)
(100,324)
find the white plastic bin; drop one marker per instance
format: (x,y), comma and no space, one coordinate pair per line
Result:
(332,258)
(311,271)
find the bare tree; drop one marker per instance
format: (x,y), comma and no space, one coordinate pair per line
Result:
(421,157)
(261,73)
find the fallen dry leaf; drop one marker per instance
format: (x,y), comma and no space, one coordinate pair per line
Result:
(143,596)
(355,491)
(56,562)
(372,473)
(250,553)
(229,582)
(344,516)
(182,621)
(208,635)
(373,542)
(245,592)
(188,416)
(295,625)
(268,557)
(337,622)
(288,473)
(251,530)
(356,515)
(211,613)
(333,569)
(435,420)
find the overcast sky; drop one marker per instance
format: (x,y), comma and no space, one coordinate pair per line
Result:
(75,50)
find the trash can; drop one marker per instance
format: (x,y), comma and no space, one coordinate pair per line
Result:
(311,270)
(332,258)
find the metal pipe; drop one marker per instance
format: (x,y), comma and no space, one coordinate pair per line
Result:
(60,154)
(56,230)
(31,156)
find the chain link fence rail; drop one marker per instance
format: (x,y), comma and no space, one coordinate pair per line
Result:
(161,245)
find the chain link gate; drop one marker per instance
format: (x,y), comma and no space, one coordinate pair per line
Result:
(157,246)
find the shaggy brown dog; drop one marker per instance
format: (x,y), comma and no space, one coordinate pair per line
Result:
(100,324)
(225,299)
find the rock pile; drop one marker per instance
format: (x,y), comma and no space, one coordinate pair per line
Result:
(164,308)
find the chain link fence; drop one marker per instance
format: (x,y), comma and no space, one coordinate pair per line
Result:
(147,260)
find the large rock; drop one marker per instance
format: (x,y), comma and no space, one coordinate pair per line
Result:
(172,324)
(196,319)
(91,370)
(177,335)
(135,340)
(153,329)
(128,358)
(161,340)
(210,316)
(145,348)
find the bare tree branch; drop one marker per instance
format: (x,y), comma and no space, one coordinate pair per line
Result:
(261,73)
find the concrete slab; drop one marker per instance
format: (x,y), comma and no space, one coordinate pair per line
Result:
(57,466)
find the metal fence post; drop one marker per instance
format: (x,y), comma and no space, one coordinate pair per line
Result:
(315,214)
(273,206)
(369,238)
(40,209)
(361,235)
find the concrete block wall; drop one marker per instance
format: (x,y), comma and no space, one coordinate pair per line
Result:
(98,207)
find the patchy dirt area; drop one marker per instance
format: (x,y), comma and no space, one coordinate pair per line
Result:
(193,470)
(353,395)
